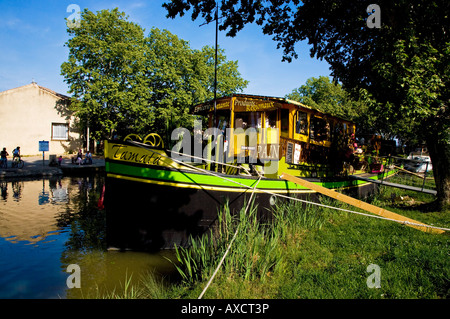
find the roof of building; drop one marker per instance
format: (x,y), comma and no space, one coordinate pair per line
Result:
(34,84)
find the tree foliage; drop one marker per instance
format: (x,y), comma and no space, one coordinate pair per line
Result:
(403,65)
(105,72)
(181,77)
(327,96)
(124,82)
(400,69)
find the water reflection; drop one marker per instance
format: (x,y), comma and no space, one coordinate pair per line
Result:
(34,210)
(46,225)
(15,187)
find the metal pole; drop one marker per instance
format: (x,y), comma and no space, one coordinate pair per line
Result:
(215,63)
(384,169)
(88,142)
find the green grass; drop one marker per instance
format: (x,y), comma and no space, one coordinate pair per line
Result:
(308,251)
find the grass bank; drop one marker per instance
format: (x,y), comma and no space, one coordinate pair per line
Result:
(308,251)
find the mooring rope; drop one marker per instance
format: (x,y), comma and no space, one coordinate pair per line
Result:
(296,199)
(229,245)
(211,161)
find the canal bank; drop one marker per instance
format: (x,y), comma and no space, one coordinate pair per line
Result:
(36,167)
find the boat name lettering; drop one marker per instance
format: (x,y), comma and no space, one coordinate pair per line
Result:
(137,157)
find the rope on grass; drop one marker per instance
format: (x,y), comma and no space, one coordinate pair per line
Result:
(229,245)
(293,198)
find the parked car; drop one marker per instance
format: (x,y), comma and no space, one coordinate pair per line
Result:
(418,163)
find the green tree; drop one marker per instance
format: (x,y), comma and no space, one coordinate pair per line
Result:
(123,82)
(180,77)
(401,69)
(329,97)
(105,72)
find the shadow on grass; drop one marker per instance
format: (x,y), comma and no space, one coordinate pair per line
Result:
(418,206)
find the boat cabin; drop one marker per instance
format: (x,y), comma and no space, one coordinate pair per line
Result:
(261,129)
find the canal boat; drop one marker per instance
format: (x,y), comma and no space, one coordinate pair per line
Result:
(159,196)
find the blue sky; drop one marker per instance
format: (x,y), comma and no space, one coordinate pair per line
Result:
(33,33)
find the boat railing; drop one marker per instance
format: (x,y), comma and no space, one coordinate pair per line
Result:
(407,175)
(217,163)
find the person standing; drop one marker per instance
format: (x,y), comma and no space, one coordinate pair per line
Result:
(3,157)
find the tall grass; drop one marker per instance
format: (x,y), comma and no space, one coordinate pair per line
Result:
(150,286)
(308,251)
(258,249)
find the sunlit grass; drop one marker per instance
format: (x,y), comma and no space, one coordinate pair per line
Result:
(313,252)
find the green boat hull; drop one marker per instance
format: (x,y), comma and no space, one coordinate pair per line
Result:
(151,206)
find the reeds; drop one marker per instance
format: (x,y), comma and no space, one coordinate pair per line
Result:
(308,251)
(150,286)
(259,248)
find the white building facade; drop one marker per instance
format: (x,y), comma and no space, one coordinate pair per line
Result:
(32,113)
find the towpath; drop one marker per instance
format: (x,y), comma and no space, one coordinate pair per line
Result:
(36,168)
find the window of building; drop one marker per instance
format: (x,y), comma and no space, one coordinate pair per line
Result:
(224,120)
(284,117)
(301,123)
(246,120)
(60,131)
(271,119)
(319,129)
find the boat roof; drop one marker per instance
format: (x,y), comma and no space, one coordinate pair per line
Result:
(278,102)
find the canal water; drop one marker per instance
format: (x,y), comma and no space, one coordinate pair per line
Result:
(47,225)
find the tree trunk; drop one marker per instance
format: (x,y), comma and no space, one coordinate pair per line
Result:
(440,157)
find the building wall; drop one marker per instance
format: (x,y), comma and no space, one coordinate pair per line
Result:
(26,117)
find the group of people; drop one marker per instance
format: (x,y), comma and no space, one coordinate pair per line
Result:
(4,155)
(78,159)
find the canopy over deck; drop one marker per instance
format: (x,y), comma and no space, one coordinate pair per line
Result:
(253,103)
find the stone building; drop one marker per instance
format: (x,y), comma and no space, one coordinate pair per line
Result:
(32,113)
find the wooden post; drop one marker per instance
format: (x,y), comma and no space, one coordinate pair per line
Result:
(360,204)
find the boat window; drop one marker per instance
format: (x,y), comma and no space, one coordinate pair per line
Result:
(271,119)
(223,120)
(325,131)
(301,125)
(338,129)
(331,132)
(351,129)
(319,129)
(247,119)
(284,120)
